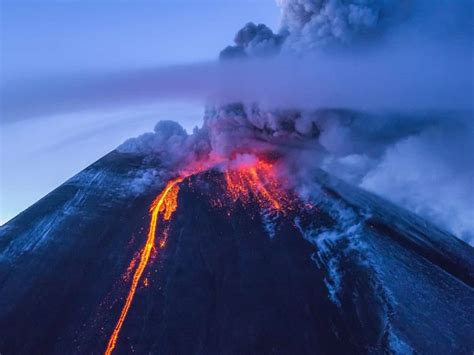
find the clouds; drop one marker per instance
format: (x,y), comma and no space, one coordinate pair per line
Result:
(167,136)
(423,163)
(254,41)
(432,174)
(409,75)
(315,23)
(312,24)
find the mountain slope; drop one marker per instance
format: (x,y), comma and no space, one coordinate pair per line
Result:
(347,272)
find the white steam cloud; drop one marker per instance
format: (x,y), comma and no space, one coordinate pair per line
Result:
(432,177)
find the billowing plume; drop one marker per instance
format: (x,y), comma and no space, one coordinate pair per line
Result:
(307,25)
(415,158)
(254,41)
(314,23)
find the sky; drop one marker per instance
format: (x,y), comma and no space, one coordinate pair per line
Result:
(45,40)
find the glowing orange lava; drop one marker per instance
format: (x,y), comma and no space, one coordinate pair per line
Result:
(258,179)
(164,205)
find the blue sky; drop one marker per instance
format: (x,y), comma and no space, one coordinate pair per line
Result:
(44,40)
(41,37)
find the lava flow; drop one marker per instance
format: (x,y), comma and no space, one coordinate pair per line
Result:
(164,205)
(258,179)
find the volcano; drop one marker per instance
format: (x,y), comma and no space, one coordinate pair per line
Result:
(227,261)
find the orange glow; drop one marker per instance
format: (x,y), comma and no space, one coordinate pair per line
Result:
(258,179)
(131,266)
(164,205)
(164,239)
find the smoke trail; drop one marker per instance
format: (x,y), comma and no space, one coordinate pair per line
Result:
(419,76)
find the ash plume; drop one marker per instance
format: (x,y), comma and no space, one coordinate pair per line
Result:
(314,23)
(389,129)
(253,40)
(378,93)
(416,160)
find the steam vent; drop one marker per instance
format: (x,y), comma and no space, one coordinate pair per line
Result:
(228,261)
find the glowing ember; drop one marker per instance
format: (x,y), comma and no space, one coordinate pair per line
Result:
(131,266)
(164,205)
(164,238)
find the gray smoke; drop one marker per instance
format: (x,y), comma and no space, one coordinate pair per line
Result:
(397,78)
(333,25)
(404,70)
(421,161)
(416,160)
(253,41)
(315,23)
(308,25)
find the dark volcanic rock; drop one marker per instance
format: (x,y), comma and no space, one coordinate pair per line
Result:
(354,275)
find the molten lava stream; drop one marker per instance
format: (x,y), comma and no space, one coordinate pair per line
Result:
(165,205)
(258,179)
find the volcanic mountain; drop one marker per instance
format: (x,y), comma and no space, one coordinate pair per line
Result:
(228,261)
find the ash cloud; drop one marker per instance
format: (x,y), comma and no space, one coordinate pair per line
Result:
(308,25)
(420,161)
(395,78)
(314,23)
(253,41)
(400,121)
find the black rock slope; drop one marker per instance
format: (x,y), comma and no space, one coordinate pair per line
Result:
(355,274)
